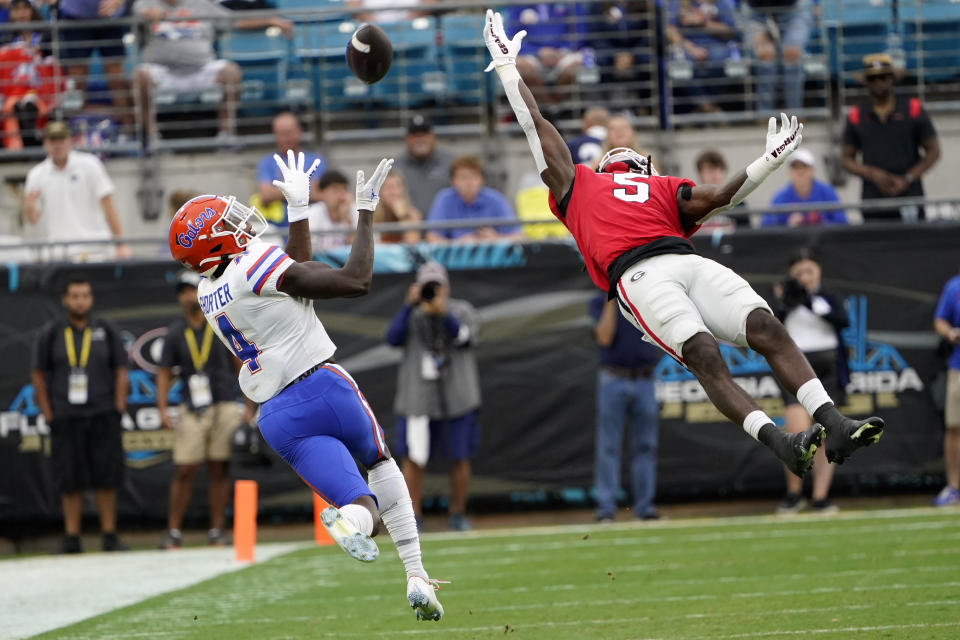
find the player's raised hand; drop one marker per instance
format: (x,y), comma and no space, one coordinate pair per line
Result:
(503,50)
(781,143)
(368,191)
(295,184)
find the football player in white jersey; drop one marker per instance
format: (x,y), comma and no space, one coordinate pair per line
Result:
(259,300)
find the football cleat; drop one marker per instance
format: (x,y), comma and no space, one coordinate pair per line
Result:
(798,457)
(850,436)
(421,594)
(356,543)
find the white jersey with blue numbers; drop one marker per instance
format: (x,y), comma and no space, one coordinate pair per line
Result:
(276,336)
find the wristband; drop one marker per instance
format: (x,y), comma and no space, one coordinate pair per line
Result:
(296,214)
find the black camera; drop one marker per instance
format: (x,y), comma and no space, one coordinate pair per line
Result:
(794,295)
(428,291)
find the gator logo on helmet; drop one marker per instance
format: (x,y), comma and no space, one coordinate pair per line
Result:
(194,226)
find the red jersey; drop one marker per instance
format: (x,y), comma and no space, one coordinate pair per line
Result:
(609,214)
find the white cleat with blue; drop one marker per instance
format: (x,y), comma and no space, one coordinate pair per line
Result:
(356,543)
(421,594)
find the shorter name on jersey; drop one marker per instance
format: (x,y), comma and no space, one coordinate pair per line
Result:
(216,300)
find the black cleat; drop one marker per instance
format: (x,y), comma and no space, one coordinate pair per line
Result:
(842,441)
(799,456)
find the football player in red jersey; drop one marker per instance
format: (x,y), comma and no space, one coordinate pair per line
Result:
(633,228)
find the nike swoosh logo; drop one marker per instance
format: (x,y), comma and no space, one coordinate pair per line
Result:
(359,46)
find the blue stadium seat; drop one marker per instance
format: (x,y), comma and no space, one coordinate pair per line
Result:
(336,8)
(856,28)
(336,88)
(935,24)
(415,76)
(263,60)
(464,56)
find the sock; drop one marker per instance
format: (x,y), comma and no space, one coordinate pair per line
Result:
(813,396)
(753,422)
(771,436)
(360,516)
(396,511)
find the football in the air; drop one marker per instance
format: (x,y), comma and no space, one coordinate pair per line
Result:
(369,53)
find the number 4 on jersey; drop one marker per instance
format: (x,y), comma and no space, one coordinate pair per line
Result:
(639,191)
(245,350)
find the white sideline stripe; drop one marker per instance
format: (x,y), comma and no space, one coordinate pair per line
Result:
(679,523)
(44,593)
(649,538)
(881,627)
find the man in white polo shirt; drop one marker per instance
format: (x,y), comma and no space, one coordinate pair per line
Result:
(69,196)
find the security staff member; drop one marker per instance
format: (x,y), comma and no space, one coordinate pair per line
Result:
(80,384)
(208,415)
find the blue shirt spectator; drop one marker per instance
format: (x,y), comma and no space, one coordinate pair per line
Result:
(701,27)
(948,310)
(803,188)
(269,200)
(468,199)
(628,348)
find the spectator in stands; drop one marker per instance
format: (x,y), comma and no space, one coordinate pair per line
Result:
(625,392)
(619,34)
(30,79)
(889,132)
(712,169)
(553,48)
(533,203)
(704,33)
(946,323)
(79,44)
(70,196)
(333,211)
(620,133)
(588,146)
(179,55)
(425,169)
(287,135)
(467,198)
(381,11)
(204,424)
(395,207)
(438,386)
(775,27)
(814,318)
(80,385)
(803,188)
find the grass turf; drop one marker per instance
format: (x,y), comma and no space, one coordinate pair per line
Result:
(857,575)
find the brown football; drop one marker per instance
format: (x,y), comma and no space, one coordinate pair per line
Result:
(369,53)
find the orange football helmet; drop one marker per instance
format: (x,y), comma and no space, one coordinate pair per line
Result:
(209,230)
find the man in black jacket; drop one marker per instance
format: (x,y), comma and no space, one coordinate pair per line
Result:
(814,318)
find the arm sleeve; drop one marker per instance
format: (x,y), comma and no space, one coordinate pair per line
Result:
(850,136)
(925,129)
(945,305)
(264,270)
(397,331)
(266,169)
(102,185)
(41,350)
(168,355)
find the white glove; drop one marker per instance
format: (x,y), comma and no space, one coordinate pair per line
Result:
(780,144)
(503,51)
(295,184)
(368,192)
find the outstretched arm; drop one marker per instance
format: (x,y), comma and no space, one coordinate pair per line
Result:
(315,280)
(550,152)
(696,205)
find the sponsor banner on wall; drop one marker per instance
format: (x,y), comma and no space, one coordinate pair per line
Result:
(538,368)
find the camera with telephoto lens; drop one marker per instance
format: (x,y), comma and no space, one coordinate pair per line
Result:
(794,295)
(428,291)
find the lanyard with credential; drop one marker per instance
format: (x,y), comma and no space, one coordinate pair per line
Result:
(72,349)
(199,356)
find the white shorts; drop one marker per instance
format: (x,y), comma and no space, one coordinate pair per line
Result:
(165,80)
(673,297)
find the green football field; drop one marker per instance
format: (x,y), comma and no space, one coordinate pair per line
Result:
(877,574)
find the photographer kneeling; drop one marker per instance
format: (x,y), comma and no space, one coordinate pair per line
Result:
(438,388)
(814,318)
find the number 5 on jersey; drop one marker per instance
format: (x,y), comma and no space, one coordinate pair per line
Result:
(245,350)
(638,191)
